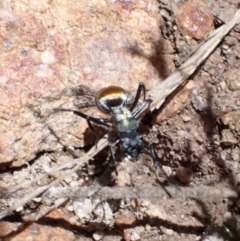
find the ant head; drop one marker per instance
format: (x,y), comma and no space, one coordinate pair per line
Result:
(110,97)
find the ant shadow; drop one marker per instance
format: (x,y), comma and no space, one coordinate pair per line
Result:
(157,59)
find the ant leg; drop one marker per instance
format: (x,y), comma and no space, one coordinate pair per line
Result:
(156,163)
(151,152)
(89,119)
(141,87)
(93,131)
(99,121)
(141,107)
(112,162)
(155,160)
(111,165)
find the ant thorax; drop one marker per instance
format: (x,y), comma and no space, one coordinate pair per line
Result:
(123,120)
(130,140)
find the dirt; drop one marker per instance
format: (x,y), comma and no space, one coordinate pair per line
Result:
(195,136)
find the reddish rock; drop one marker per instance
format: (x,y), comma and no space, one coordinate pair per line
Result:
(195,19)
(49,47)
(59,214)
(36,232)
(125,220)
(184,174)
(7,228)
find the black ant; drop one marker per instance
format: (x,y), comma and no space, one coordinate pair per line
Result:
(113,100)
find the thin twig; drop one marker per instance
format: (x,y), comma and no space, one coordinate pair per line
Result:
(106,193)
(25,184)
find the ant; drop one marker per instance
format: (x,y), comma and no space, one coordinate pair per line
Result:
(113,100)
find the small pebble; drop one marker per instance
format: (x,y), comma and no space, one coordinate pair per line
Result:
(19,209)
(148,227)
(123,178)
(37,199)
(167,231)
(227,216)
(236,154)
(167,170)
(228,138)
(73,220)
(83,209)
(74,184)
(205,159)
(146,170)
(125,219)
(133,204)
(135,236)
(68,179)
(186,118)
(70,208)
(184,174)
(232,78)
(98,235)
